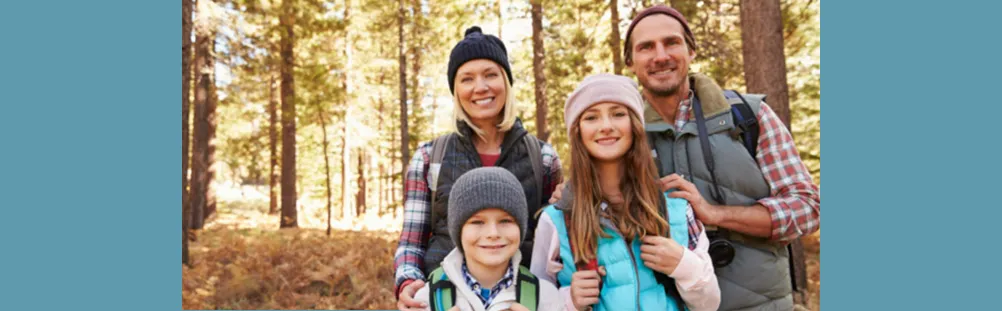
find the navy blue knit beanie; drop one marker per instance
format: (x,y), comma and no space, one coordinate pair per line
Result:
(477,45)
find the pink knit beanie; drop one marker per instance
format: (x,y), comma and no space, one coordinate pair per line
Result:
(601,88)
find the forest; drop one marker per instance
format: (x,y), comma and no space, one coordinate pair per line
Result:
(299,117)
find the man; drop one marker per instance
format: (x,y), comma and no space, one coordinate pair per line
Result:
(757,204)
(754,206)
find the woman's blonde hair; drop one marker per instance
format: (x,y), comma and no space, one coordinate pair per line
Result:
(508,113)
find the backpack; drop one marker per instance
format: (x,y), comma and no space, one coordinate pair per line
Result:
(441,144)
(744,119)
(442,294)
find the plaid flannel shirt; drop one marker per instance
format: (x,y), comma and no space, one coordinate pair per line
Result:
(409,257)
(506,281)
(795,201)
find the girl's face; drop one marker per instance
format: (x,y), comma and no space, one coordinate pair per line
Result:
(481,90)
(490,238)
(606,131)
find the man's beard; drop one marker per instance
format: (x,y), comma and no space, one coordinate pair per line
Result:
(665,91)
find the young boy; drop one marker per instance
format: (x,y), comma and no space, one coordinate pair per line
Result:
(487,221)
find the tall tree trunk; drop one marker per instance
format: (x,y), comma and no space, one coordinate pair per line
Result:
(360,194)
(186,11)
(327,168)
(379,149)
(288,41)
(346,143)
(416,43)
(273,142)
(404,150)
(200,140)
(765,72)
(345,170)
(499,6)
(762,48)
(617,62)
(538,52)
(394,173)
(210,152)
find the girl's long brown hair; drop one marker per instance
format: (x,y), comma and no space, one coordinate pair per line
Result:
(636,217)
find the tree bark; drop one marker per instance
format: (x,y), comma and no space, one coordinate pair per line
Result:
(327,168)
(289,212)
(379,150)
(499,6)
(360,194)
(539,77)
(200,136)
(617,62)
(346,143)
(186,23)
(273,142)
(765,72)
(404,150)
(210,191)
(762,48)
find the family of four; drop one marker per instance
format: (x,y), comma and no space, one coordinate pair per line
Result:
(667,207)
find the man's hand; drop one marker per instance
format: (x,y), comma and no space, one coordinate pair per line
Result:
(557,191)
(515,307)
(585,288)
(684,189)
(406,300)
(661,254)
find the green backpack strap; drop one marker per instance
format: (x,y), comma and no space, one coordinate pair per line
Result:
(527,289)
(442,294)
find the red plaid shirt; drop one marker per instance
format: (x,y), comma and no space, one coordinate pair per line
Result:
(795,201)
(409,257)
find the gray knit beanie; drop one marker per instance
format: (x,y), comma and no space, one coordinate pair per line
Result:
(483,188)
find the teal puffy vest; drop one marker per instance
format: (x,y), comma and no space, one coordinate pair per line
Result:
(628,284)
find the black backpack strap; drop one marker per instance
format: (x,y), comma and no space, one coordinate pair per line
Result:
(536,157)
(527,289)
(438,148)
(704,142)
(666,281)
(441,294)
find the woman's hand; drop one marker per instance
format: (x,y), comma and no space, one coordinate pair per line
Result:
(406,300)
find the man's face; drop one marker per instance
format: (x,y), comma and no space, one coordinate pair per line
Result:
(660,55)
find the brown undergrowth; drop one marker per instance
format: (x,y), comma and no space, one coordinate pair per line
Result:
(289,269)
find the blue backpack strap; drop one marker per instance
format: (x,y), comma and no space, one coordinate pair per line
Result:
(745,119)
(442,294)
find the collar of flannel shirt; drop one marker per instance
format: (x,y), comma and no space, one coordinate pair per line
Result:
(487,296)
(682,116)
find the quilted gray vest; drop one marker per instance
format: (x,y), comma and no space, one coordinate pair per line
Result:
(759,276)
(460,157)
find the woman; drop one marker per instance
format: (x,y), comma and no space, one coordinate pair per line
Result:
(488,133)
(616,241)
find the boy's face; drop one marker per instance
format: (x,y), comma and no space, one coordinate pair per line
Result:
(490,238)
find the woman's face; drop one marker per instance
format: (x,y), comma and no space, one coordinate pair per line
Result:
(481,90)
(606,131)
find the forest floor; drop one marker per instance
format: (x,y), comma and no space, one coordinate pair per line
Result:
(242,261)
